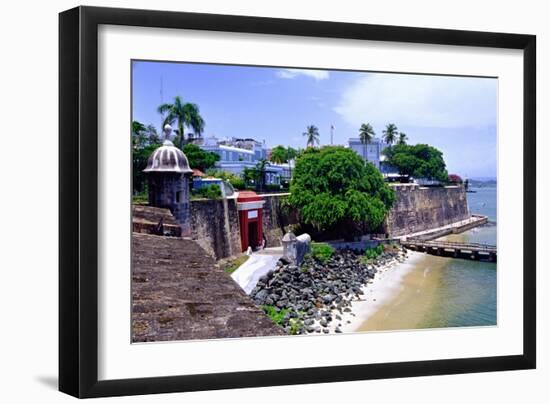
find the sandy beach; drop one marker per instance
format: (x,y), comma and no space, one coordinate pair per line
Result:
(387,284)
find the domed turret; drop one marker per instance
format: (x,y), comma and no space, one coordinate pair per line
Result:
(168,158)
(168,173)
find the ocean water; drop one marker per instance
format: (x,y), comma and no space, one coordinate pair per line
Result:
(468,291)
(448,292)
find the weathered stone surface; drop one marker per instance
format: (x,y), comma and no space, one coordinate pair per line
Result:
(417,209)
(146,219)
(215,226)
(179,294)
(275,217)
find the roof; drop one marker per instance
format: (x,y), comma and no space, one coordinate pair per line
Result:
(198,173)
(248,196)
(168,158)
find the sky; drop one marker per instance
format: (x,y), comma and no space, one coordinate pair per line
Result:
(455,114)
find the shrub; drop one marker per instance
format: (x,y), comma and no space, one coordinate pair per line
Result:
(209,192)
(232,265)
(374,252)
(276,315)
(236,181)
(321,251)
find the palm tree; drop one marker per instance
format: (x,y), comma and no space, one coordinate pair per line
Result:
(312,135)
(260,173)
(402,138)
(186,114)
(366,134)
(390,134)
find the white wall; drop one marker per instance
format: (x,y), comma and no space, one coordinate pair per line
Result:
(28,279)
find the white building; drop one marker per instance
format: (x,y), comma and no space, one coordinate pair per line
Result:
(370,152)
(236,154)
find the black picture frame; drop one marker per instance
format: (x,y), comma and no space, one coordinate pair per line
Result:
(78,196)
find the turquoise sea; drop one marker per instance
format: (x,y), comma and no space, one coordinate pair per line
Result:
(467,294)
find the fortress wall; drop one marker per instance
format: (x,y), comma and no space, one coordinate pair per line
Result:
(418,208)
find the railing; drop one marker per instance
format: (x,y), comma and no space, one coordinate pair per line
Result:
(454,245)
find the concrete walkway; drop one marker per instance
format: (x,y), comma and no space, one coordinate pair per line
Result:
(259,264)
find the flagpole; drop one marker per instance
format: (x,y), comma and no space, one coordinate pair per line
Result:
(331,134)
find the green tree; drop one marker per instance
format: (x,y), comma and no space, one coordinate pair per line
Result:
(236,181)
(279,154)
(312,135)
(333,189)
(199,158)
(366,134)
(390,134)
(402,138)
(186,114)
(144,143)
(419,161)
(256,175)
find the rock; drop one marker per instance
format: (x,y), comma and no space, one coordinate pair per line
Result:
(337,330)
(261,296)
(325,330)
(308,321)
(328,298)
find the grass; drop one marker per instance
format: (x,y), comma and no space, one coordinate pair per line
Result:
(277,316)
(141,198)
(232,265)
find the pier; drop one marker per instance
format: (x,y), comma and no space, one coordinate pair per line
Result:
(471,251)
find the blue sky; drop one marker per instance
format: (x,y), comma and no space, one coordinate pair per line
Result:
(455,114)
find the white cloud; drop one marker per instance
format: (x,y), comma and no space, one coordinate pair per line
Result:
(419,101)
(292,73)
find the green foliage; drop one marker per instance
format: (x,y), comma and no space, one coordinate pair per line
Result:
(390,133)
(208,191)
(374,252)
(296,325)
(186,114)
(321,251)
(312,135)
(366,133)
(281,154)
(419,161)
(256,176)
(139,162)
(402,138)
(199,158)
(332,188)
(276,315)
(236,181)
(233,265)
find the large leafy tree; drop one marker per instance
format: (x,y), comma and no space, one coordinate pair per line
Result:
(334,190)
(199,158)
(419,161)
(186,114)
(366,134)
(390,134)
(312,135)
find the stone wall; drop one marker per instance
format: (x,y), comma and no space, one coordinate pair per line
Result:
(418,208)
(275,217)
(215,226)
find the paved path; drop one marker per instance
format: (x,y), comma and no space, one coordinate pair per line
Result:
(259,264)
